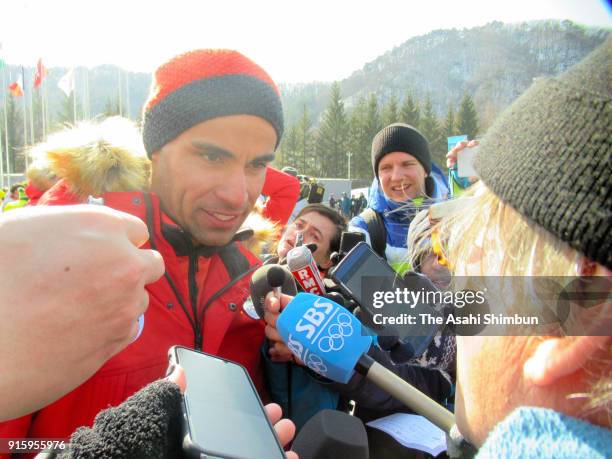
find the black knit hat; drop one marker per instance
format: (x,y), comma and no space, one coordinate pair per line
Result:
(404,138)
(549,155)
(204,84)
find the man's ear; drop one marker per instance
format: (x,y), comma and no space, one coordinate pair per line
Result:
(555,358)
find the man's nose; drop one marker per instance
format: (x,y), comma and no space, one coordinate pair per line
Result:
(396,174)
(233,191)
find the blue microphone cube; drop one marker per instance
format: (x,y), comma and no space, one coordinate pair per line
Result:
(324,335)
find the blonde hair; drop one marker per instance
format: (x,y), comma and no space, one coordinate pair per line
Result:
(490,238)
(419,240)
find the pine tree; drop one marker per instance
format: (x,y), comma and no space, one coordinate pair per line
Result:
(37,115)
(67,116)
(410,112)
(288,149)
(430,128)
(467,119)
(359,140)
(390,112)
(110,108)
(333,135)
(15,135)
(305,144)
(449,128)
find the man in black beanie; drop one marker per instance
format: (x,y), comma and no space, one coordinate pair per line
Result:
(402,166)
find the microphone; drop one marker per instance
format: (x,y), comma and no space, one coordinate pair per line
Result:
(348,240)
(332,434)
(265,279)
(276,278)
(333,343)
(304,268)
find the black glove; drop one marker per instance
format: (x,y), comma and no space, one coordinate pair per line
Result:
(146,425)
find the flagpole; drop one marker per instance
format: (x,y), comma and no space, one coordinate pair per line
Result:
(120,97)
(25,119)
(74,104)
(31,114)
(85,102)
(6,136)
(41,92)
(127,94)
(46,115)
(5,149)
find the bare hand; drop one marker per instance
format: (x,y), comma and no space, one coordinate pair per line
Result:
(451,156)
(285,429)
(279,352)
(72,286)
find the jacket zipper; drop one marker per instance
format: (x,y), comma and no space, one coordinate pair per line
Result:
(193,295)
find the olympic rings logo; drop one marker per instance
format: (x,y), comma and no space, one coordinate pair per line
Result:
(337,332)
(315,363)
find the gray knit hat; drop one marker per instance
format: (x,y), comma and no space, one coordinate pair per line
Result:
(549,155)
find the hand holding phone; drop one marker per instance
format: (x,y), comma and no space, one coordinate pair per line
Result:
(223,416)
(465,161)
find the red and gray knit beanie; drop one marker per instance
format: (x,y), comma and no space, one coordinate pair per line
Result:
(204,84)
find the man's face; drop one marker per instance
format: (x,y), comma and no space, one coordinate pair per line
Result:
(317,229)
(209,177)
(401,176)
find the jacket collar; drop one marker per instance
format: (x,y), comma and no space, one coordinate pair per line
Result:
(182,242)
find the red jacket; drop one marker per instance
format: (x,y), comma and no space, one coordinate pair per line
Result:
(224,328)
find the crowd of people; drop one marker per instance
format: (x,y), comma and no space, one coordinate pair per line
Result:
(348,206)
(141,239)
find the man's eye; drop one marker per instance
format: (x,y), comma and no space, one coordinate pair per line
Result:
(211,157)
(259,165)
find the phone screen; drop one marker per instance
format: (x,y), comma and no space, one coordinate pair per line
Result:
(225,416)
(361,273)
(465,162)
(361,261)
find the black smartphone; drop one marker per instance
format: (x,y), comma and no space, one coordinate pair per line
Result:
(369,280)
(223,416)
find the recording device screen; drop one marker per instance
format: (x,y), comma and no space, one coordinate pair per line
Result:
(225,417)
(361,261)
(362,272)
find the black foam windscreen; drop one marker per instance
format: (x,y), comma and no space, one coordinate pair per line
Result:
(260,286)
(332,434)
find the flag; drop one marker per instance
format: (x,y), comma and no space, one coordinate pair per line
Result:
(66,83)
(41,73)
(16,88)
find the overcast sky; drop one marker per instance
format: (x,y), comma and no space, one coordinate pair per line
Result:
(295,41)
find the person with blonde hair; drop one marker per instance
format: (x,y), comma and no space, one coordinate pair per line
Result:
(542,207)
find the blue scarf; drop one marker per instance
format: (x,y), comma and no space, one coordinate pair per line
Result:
(538,433)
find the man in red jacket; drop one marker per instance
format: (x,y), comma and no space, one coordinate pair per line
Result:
(211,124)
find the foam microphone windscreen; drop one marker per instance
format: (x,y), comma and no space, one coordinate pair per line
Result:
(260,284)
(332,434)
(324,335)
